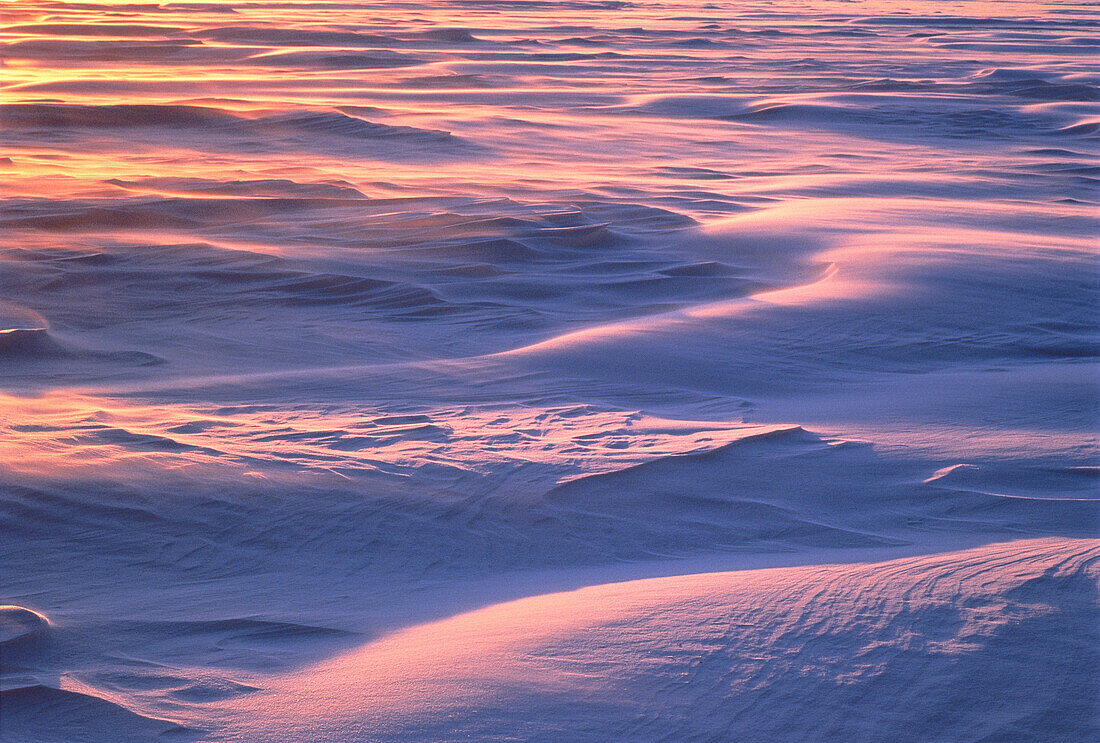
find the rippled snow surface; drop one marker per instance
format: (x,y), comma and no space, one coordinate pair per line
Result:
(340,342)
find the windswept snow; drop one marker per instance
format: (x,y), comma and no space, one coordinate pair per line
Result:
(522,370)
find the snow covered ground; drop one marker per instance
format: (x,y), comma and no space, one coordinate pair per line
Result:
(478,369)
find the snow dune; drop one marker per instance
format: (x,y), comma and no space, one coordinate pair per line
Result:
(998,642)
